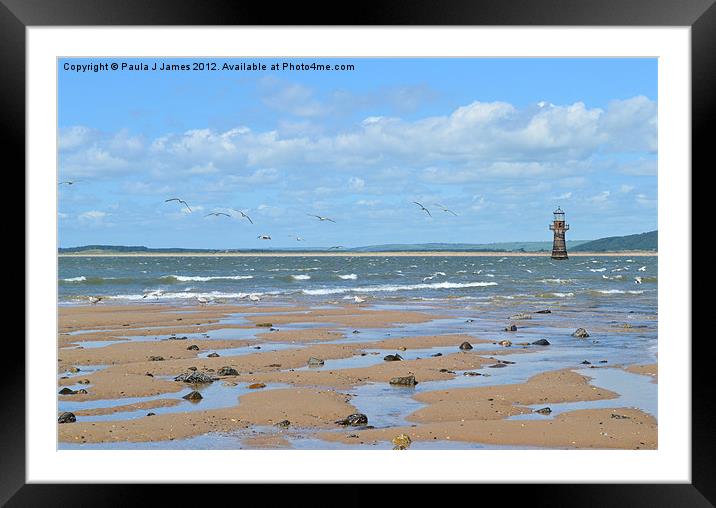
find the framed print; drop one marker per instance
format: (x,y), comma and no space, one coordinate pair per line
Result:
(440,246)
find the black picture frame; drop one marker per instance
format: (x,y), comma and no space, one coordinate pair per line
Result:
(700,15)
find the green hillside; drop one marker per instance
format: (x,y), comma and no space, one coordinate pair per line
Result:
(642,241)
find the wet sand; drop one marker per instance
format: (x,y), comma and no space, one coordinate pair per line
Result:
(130,354)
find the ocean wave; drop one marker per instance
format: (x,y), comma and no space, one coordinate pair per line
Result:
(393,287)
(81,278)
(197,278)
(556,281)
(300,277)
(555,295)
(597,269)
(187,295)
(350,276)
(616,292)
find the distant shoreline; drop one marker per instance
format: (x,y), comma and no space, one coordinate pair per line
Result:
(351,254)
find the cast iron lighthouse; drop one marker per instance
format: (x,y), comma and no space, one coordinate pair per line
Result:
(559,246)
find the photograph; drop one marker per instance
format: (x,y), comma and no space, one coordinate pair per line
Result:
(364,253)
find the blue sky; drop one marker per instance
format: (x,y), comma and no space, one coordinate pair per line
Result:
(501,142)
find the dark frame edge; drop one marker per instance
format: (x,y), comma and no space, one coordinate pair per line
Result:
(12,104)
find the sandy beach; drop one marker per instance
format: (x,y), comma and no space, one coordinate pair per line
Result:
(351,254)
(262,394)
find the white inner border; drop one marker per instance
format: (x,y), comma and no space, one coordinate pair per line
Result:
(670,463)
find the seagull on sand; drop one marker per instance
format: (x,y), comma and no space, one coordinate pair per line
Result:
(156,293)
(320,217)
(203,300)
(445,209)
(216,214)
(243,215)
(254,297)
(358,299)
(423,208)
(179,201)
(264,237)
(95,299)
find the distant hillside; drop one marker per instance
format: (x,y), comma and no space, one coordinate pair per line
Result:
(642,241)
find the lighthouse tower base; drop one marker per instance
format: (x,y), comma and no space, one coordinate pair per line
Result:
(559,254)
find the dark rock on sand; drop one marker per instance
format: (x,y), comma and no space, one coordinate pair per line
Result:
(156,358)
(354,420)
(620,417)
(404,381)
(392,358)
(581,333)
(67,391)
(151,414)
(541,342)
(67,417)
(283,424)
(264,325)
(315,362)
(543,411)
(81,391)
(74,370)
(471,373)
(585,362)
(212,355)
(511,328)
(193,347)
(227,371)
(401,442)
(194,378)
(546,311)
(84,381)
(149,374)
(497,365)
(256,386)
(465,346)
(174,337)
(193,396)
(436,355)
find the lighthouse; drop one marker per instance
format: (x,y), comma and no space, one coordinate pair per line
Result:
(559,246)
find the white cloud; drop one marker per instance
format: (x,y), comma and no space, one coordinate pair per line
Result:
(602,197)
(356,184)
(92,216)
(625,189)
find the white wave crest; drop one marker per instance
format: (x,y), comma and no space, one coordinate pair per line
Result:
(350,276)
(197,278)
(81,278)
(300,277)
(392,288)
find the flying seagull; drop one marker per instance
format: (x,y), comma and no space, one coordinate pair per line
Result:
(69,182)
(217,214)
(423,208)
(264,237)
(244,216)
(298,238)
(320,218)
(178,200)
(336,247)
(445,209)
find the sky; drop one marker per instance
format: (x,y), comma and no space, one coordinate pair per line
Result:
(499,142)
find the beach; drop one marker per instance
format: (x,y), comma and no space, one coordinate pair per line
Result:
(282,371)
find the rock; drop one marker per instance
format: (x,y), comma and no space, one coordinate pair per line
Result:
(315,362)
(156,358)
(84,381)
(194,378)
(149,374)
(354,420)
(585,362)
(274,365)
(193,347)
(81,391)
(256,386)
(541,342)
(581,333)
(620,417)
(505,343)
(392,358)
(227,371)
(193,396)
(546,311)
(465,346)
(467,321)
(401,442)
(505,362)
(67,391)
(212,355)
(264,325)
(511,328)
(471,373)
(230,383)
(73,369)
(521,315)
(603,361)
(402,348)
(356,331)
(436,355)
(543,411)
(174,337)
(151,414)
(497,365)
(191,368)
(404,381)
(272,329)
(284,424)
(67,417)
